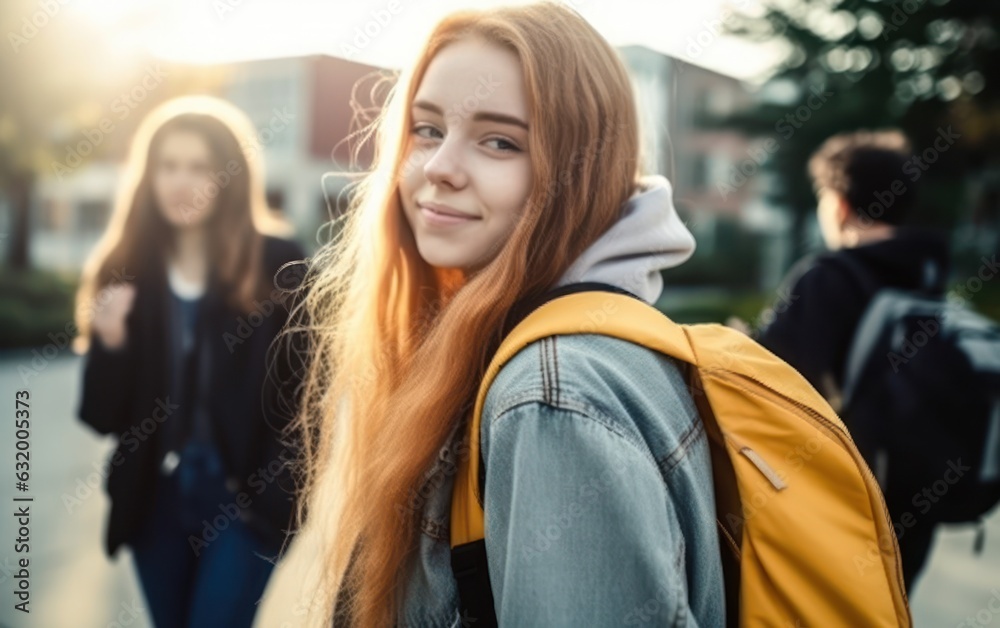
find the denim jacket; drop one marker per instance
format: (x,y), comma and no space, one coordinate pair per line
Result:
(599,506)
(598,500)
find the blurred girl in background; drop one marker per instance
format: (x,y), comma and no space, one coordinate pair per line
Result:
(186,298)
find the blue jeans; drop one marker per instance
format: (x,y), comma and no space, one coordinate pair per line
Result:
(198,563)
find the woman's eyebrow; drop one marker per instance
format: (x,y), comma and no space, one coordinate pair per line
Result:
(428,106)
(502,118)
(491,116)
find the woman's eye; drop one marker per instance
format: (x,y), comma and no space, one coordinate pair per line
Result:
(427,132)
(503,145)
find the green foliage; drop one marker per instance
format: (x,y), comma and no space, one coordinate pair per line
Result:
(716,307)
(919,65)
(33,304)
(733,262)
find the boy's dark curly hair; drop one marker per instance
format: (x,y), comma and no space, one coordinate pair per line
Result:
(862,166)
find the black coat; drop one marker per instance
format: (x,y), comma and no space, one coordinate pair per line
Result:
(820,303)
(125,393)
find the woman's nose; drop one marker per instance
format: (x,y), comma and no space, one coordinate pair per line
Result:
(444,165)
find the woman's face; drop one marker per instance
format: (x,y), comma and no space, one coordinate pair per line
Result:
(184,190)
(467,156)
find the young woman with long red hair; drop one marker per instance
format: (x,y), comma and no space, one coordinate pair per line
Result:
(507,164)
(178,308)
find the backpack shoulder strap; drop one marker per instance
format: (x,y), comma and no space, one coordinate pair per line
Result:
(524,307)
(565,311)
(868,333)
(626,318)
(708,347)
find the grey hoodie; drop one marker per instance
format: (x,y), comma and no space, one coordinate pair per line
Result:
(647,238)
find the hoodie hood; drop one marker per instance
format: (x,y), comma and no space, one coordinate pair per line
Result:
(913,258)
(648,237)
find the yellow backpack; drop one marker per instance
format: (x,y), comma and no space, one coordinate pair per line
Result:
(805,535)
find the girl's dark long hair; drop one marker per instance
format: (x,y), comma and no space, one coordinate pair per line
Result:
(138,237)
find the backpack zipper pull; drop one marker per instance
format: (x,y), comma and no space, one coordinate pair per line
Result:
(772,476)
(775,478)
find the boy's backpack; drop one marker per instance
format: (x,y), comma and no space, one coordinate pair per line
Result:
(922,398)
(805,536)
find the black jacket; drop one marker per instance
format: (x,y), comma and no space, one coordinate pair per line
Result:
(819,306)
(126,393)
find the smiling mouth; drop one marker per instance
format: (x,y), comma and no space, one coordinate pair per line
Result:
(434,219)
(444,210)
(439,216)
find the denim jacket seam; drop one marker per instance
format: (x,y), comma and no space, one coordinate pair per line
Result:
(544,396)
(550,373)
(690,436)
(543,370)
(667,463)
(680,591)
(585,410)
(555,363)
(534,393)
(437,529)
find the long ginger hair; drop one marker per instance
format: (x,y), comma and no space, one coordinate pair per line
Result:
(138,235)
(398,347)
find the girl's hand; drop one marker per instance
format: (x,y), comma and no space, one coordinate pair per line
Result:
(109,320)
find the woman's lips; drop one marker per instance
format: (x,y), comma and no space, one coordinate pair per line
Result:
(438,219)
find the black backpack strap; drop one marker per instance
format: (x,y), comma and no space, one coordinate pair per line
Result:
(522,308)
(468,561)
(475,595)
(861,347)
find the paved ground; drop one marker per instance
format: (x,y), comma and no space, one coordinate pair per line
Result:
(74,586)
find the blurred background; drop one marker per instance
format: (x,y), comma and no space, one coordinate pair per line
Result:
(734,97)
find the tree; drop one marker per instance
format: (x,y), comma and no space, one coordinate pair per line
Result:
(921,65)
(47,64)
(65,93)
